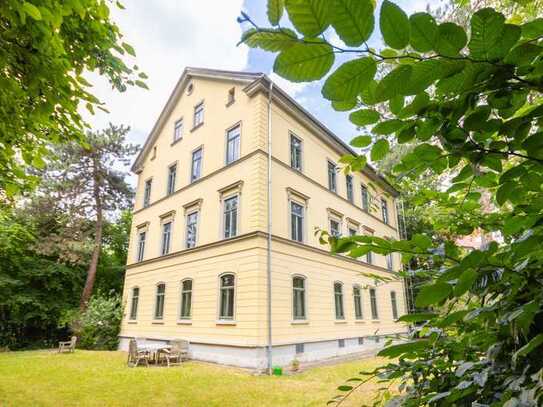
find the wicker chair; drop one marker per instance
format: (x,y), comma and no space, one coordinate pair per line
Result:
(136,356)
(67,346)
(178,352)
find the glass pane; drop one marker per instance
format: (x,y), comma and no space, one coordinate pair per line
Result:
(227,280)
(187,285)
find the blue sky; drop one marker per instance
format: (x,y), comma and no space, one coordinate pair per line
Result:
(169,35)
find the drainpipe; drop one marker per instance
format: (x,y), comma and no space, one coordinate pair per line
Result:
(268,268)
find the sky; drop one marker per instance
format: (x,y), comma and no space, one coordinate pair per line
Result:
(169,35)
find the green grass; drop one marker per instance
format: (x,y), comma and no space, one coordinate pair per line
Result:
(85,378)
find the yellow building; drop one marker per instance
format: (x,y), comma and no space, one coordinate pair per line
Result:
(202,265)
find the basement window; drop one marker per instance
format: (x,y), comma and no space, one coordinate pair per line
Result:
(300,348)
(341,343)
(361,340)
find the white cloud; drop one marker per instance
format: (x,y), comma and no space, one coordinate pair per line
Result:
(168,36)
(294,89)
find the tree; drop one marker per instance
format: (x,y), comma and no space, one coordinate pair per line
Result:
(470,103)
(86,182)
(46,48)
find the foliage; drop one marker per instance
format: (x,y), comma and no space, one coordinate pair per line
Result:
(46,49)
(87,182)
(40,284)
(99,325)
(470,103)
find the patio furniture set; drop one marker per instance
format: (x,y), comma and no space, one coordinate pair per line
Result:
(141,351)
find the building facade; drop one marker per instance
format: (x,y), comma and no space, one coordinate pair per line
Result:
(202,265)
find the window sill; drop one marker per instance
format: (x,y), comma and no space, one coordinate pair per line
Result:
(299,322)
(225,322)
(196,127)
(341,321)
(157,322)
(176,141)
(375,321)
(132,322)
(359,321)
(184,322)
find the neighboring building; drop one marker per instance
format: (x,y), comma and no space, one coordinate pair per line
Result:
(198,256)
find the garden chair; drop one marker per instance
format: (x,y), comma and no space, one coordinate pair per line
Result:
(178,351)
(67,346)
(136,356)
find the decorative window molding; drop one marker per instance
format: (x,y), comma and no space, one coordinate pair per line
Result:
(234,188)
(143,227)
(192,206)
(353,222)
(296,195)
(167,216)
(334,213)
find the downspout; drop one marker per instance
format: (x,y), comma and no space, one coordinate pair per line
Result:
(268,260)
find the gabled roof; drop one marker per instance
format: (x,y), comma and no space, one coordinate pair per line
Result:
(255,82)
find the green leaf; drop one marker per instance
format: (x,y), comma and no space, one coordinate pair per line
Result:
(423,32)
(275,11)
(379,149)
(353,20)
(432,294)
(524,54)
(465,282)
(310,17)
(452,318)
(304,62)
(31,10)
(388,127)
(349,79)
(343,105)
(396,104)
(486,28)
(533,29)
(418,317)
(128,48)
(534,343)
(451,38)
(422,241)
(363,117)
(395,351)
(394,83)
(361,141)
(270,40)
(394,25)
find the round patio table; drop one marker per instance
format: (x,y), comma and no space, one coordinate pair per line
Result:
(154,349)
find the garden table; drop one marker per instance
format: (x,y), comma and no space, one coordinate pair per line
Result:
(154,349)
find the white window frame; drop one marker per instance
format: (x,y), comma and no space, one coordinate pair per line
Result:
(341,317)
(227,143)
(178,128)
(332,179)
(360,302)
(199,107)
(170,186)
(188,214)
(223,216)
(304,290)
(182,291)
(140,251)
(133,315)
(147,196)
(222,318)
(394,305)
(162,234)
(365,203)
(201,150)
(301,163)
(347,183)
(374,309)
(155,309)
(291,231)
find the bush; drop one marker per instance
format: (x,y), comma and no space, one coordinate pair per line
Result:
(98,327)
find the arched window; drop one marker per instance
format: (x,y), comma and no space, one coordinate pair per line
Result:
(373,303)
(159,302)
(298,298)
(134,304)
(227,296)
(186,299)
(338,297)
(394,304)
(357,297)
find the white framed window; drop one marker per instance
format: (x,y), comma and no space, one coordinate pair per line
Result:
(332,181)
(338,300)
(349,187)
(357,297)
(295,152)
(365,197)
(373,304)
(159,300)
(230,216)
(394,304)
(233,137)
(134,303)
(141,244)
(298,298)
(166,238)
(178,130)
(172,173)
(296,221)
(196,165)
(390,261)
(227,296)
(192,230)
(384,210)
(147,192)
(335,227)
(185,311)
(231,96)
(198,115)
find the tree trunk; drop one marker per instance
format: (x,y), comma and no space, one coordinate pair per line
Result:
(91,273)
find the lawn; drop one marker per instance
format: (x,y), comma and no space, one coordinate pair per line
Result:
(85,378)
